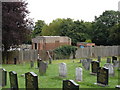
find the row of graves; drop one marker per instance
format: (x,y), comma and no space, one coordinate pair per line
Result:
(31,79)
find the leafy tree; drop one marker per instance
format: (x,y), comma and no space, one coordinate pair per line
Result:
(102,25)
(15,28)
(38,28)
(52,29)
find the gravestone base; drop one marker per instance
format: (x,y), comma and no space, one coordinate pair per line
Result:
(117,86)
(99,84)
(93,74)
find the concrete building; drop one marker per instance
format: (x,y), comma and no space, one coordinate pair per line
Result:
(49,42)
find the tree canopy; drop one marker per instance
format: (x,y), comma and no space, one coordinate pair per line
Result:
(15,25)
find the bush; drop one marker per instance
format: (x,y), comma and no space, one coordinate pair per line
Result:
(64,52)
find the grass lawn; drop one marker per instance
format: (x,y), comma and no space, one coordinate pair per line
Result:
(52,79)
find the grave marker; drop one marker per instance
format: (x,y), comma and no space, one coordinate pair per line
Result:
(110,68)
(31,64)
(99,58)
(13,80)
(4,76)
(78,74)
(114,58)
(102,76)
(108,60)
(42,67)
(62,70)
(31,81)
(70,85)
(94,66)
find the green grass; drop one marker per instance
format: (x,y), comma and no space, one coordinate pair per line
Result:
(52,80)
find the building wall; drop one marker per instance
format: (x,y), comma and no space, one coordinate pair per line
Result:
(50,42)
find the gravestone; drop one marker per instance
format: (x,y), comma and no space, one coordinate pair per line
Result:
(38,62)
(110,68)
(94,67)
(13,80)
(42,67)
(78,74)
(86,64)
(114,58)
(31,64)
(99,58)
(108,60)
(62,70)
(31,81)
(4,77)
(15,60)
(70,85)
(116,64)
(102,76)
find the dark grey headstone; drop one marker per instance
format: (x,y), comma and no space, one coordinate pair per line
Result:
(38,62)
(70,85)
(15,60)
(4,77)
(86,64)
(102,76)
(108,60)
(13,80)
(99,58)
(114,58)
(31,64)
(42,67)
(31,81)
(94,67)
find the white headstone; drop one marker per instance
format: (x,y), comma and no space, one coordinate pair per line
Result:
(63,70)
(110,67)
(79,74)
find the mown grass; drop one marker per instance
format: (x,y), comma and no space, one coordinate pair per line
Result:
(52,80)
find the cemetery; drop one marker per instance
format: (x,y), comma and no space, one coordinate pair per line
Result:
(61,74)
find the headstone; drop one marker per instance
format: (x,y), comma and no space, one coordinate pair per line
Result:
(38,62)
(78,74)
(31,64)
(42,67)
(31,81)
(4,77)
(15,61)
(116,64)
(70,85)
(62,70)
(13,80)
(99,58)
(114,58)
(89,60)
(102,76)
(94,67)
(86,64)
(108,60)
(110,68)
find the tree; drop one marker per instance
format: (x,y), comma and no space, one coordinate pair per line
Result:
(102,25)
(15,28)
(38,28)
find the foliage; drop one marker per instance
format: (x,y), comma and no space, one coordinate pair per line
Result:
(88,41)
(65,51)
(15,25)
(38,28)
(102,26)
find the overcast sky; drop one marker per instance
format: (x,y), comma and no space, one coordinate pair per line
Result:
(86,10)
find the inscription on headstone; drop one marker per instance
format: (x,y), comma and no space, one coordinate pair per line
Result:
(62,70)
(31,81)
(102,76)
(70,85)
(13,80)
(79,74)
(94,67)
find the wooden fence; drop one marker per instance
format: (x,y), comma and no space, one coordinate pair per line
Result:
(21,56)
(102,51)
